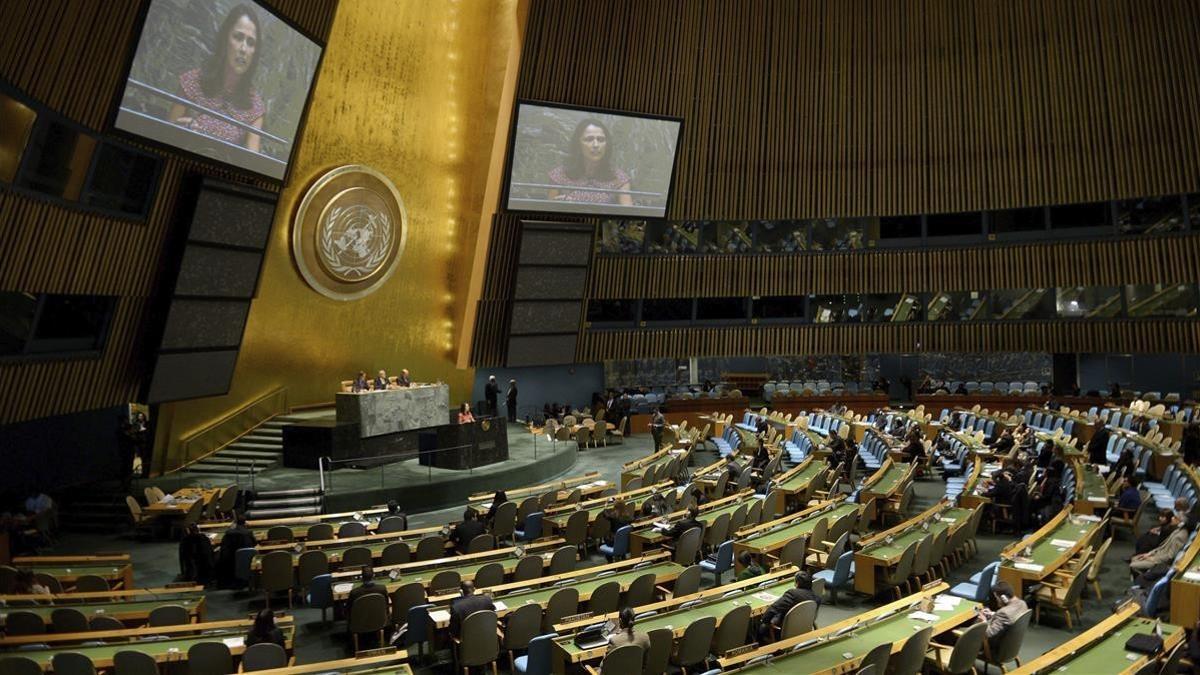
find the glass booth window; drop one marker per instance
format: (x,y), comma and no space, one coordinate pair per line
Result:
(778,307)
(843,234)
(900,227)
(17,313)
(622,237)
(16,123)
(1148,300)
(727,237)
(1150,215)
(679,309)
(1086,302)
(1072,216)
(954,224)
(610,311)
(56,160)
(1017,220)
(956,306)
(673,237)
(1023,303)
(720,309)
(781,236)
(835,308)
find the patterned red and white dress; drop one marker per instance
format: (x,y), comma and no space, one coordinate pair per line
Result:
(189,83)
(558,176)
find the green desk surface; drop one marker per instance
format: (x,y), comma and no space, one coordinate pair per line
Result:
(335,552)
(97,608)
(1093,486)
(887,484)
(585,586)
(1045,553)
(107,570)
(706,517)
(678,619)
(156,648)
(803,478)
(468,570)
(796,529)
(560,519)
(831,653)
(1108,655)
(901,541)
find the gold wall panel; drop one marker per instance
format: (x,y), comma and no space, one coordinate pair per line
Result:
(68,55)
(824,108)
(406,88)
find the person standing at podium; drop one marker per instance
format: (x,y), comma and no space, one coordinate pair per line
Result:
(491,392)
(464,414)
(510,400)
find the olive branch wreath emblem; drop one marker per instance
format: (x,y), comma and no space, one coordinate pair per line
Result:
(377,253)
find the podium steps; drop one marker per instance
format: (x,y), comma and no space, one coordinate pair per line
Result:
(285,503)
(257,451)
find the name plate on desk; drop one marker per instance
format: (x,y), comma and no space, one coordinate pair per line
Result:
(393,410)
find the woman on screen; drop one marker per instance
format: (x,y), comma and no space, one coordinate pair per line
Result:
(589,165)
(225,83)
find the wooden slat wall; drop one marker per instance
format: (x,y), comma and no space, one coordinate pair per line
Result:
(820,108)
(1033,336)
(843,108)
(1091,263)
(69,55)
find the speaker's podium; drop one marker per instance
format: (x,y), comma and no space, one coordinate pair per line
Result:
(465,446)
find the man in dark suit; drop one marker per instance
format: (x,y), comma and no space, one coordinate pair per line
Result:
(466,605)
(779,609)
(510,399)
(491,393)
(467,530)
(360,383)
(367,586)
(404,380)
(237,537)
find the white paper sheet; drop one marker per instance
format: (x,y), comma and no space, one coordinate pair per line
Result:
(500,606)
(1029,567)
(440,615)
(1192,576)
(923,616)
(234,642)
(1062,543)
(766,597)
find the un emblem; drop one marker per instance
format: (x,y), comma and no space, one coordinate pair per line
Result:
(349,232)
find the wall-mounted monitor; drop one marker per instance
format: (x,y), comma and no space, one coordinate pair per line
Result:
(224,79)
(598,162)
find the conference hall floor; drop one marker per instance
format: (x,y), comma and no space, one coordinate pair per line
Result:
(156,563)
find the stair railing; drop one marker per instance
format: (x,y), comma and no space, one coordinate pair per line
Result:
(228,428)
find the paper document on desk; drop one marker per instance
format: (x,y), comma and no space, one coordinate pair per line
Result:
(923,616)
(1192,576)
(1029,567)
(500,606)
(440,615)
(951,600)
(234,642)
(1090,519)
(1062,543)
(1098,500)
(766,597)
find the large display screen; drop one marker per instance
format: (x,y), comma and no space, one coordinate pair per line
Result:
(574,160)
(225,79)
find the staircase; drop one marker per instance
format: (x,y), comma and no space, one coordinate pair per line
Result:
(257,451)
(285,503)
